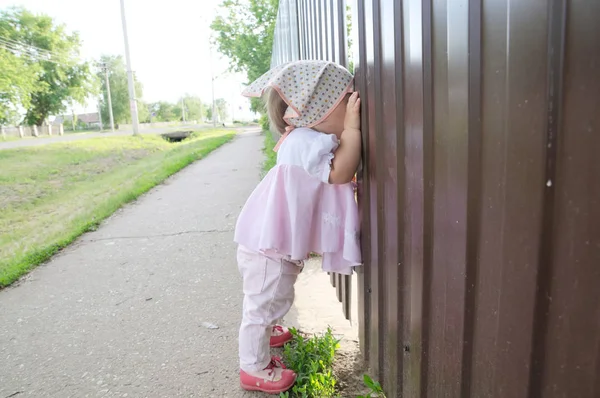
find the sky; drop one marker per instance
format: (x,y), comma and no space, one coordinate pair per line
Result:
(168,41)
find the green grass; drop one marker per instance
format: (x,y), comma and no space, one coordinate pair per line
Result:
(270,155)
(9,138)
(49,195)
(312,360)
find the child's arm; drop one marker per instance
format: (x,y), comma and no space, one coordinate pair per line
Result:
(347,155)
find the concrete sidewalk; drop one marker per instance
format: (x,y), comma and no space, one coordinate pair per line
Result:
(149,305)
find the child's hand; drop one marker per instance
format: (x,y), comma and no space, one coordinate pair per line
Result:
(352,120)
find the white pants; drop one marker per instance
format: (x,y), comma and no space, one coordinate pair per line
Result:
(268,283)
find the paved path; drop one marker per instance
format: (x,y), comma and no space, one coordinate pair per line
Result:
(45,140)
(123,312)
(127,310)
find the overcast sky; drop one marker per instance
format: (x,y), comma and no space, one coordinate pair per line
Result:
(168,42)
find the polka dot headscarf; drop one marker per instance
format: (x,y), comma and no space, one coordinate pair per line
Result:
(312,89)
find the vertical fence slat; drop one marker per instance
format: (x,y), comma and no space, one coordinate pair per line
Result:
(347,296)
(332,30)
(342,44)
(392,153)
(474,192)
(572,367)
(319,15)
(314,27)
(364,274)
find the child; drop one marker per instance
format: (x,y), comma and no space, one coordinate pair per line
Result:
(305,204)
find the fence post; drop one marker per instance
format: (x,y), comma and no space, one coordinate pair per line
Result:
(3,132)
(34,131)
(61,129)
(21,134)
(49,129)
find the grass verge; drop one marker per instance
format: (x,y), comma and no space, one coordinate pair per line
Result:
(312,360)
(9,138)
(270,155)
(50,195)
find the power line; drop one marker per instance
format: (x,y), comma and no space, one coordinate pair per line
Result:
(26,51)
(32,54)
(30,57)
(31,46)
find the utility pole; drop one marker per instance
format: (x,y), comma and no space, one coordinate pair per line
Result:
(132,99)
(182,110)
(100,114)
(212,80)
(108,96)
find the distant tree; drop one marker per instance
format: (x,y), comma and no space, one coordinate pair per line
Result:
(209,113)
(61,77)
(221,109)
(194,109)
(143,111)
(244,33)
(164,112)
(18,81)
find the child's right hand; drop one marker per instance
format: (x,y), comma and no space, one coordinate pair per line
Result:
(347,155)
(352,120)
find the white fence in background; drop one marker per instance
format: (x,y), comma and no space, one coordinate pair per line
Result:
(32,131)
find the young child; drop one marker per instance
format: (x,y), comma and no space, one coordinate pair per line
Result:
(304,204)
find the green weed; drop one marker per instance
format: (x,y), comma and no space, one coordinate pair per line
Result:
(270,155)
(375,389)
(312,360)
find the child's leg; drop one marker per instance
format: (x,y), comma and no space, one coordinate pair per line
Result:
(268,295)
(282,303)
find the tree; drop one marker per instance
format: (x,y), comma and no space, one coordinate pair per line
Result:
(244,33)
(194,109)
(62,78)
(221,108)
(209,113)
(119,92)
(164,112)
(143,111)
(17,83)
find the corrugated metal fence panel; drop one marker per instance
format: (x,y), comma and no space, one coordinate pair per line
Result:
(310,29)
(286,39)
(479,191)
(479,197)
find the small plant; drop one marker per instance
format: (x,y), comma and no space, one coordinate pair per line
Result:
(312,360)
(264,123)
(375,390)
(270,156)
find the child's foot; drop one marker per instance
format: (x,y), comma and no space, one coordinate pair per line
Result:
(279,336)
(274,379)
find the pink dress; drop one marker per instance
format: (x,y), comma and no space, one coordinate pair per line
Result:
(295,211)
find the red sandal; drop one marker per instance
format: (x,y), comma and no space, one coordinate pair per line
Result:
(274,379)
(280,335)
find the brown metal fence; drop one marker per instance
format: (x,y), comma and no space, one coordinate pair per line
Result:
(479,192)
